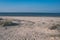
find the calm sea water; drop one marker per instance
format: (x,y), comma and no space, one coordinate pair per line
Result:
(30,14)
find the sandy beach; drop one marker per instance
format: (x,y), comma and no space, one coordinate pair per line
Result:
(31,28)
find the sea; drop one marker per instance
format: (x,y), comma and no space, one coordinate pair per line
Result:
(30,14)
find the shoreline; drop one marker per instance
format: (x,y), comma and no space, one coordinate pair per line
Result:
(29,16)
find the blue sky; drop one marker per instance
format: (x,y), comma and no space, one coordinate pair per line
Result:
(52,6)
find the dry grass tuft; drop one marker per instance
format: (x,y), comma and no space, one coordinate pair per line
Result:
(7,22)
(56,26)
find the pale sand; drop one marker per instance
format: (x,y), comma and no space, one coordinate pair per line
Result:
(30,28)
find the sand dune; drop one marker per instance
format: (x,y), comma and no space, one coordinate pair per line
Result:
(31,28)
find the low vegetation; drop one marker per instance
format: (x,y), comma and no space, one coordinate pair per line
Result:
(56,26)
(1,18)
(7,22)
